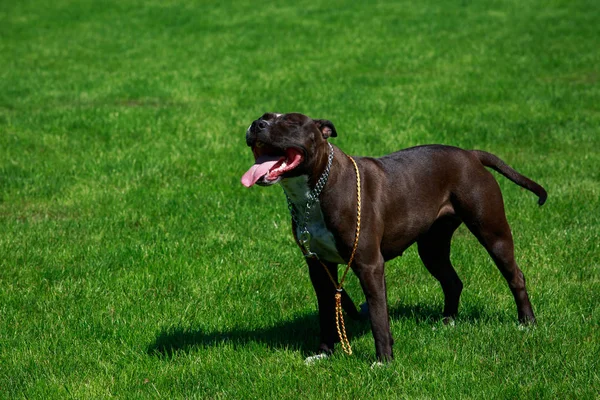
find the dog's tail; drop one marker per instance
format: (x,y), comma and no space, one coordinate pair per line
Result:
(495,163)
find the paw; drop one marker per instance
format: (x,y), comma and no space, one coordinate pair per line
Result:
(317,357)
(449,321)
(525,327)
(378,365)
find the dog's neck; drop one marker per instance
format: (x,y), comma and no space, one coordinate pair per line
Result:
(321,241)
(298,190)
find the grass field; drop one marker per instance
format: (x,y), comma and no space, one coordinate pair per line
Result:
(133,264)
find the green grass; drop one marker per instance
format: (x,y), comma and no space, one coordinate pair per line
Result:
(134,264)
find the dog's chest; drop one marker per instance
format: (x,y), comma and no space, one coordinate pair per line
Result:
(322,241)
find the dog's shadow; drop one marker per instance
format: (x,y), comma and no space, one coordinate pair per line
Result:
(300,334)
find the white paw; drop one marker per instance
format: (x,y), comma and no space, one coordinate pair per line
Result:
(312,359)
(524,328)
(377,364)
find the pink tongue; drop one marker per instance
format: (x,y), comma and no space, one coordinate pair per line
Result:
(263,166)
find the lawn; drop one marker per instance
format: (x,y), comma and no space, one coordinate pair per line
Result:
(133,263)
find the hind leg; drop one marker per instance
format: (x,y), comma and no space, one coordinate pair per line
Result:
(501,248)
(488,223)
(434,250)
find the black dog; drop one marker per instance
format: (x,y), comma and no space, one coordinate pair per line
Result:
(421,194)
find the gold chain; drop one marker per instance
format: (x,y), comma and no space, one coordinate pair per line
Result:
(358,206)
(339,317)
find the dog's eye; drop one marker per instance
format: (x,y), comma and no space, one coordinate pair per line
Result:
(259,144)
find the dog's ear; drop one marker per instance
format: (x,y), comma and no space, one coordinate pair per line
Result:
(326,127)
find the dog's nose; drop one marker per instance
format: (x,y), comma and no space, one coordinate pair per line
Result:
(259,125)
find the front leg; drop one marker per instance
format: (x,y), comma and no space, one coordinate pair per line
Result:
(325,292)
(372,280)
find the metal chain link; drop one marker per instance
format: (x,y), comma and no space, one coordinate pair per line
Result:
(313,198)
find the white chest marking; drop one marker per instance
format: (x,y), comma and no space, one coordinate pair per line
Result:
(322,241)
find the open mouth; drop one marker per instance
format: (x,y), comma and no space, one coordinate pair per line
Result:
(271,164)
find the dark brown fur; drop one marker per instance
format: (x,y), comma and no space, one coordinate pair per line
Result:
(421,194)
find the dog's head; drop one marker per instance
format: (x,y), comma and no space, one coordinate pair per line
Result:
(284,146)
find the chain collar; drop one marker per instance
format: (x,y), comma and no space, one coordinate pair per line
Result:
(313,198)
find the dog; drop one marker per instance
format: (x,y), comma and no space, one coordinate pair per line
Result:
(420,194)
